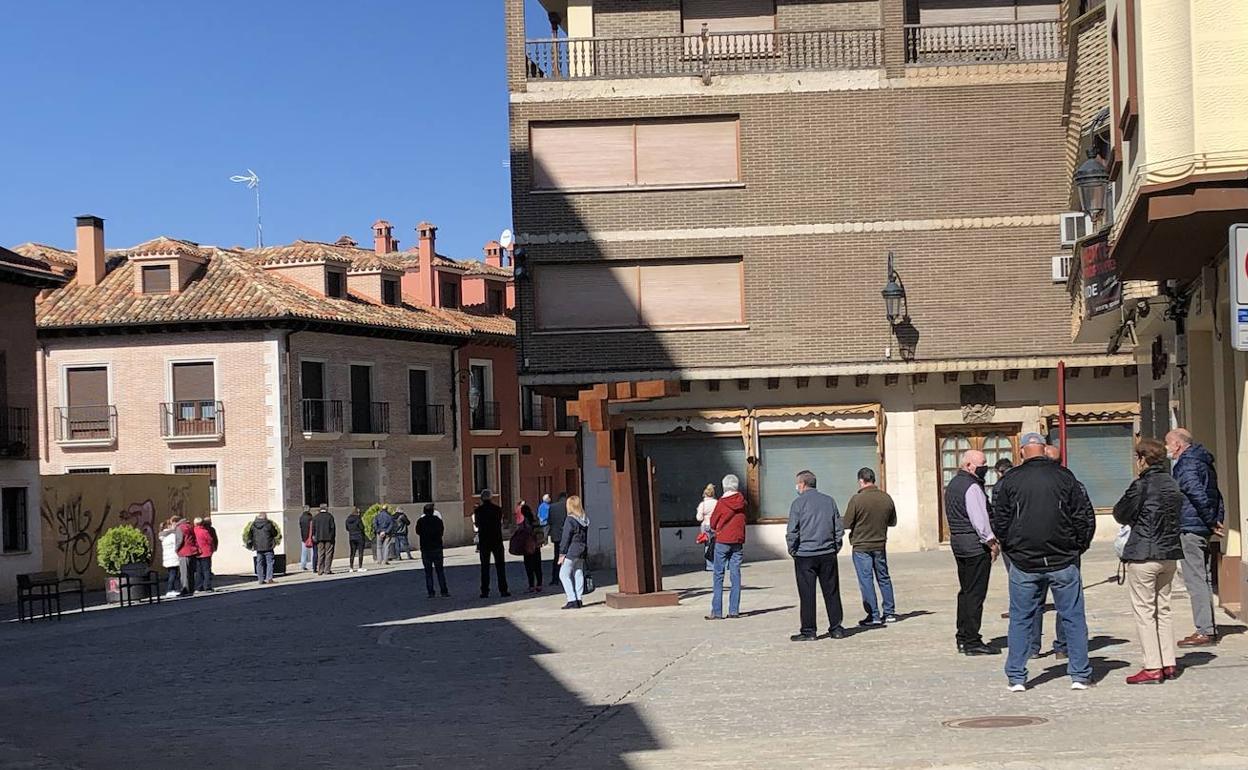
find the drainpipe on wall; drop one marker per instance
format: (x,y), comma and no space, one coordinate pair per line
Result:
(45,448)
(286,398)
(454,411)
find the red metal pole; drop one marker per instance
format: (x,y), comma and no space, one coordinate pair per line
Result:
(1061,409)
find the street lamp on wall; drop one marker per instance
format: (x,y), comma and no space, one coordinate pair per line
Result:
(1092,181)
(894,294)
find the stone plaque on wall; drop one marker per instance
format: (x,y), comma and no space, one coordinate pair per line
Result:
(979,403)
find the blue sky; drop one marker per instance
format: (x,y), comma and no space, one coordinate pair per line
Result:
(139,112)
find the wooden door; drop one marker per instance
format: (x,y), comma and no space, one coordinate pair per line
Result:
(506,485)
(997,442)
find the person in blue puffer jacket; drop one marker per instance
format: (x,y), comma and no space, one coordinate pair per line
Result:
(1200,519)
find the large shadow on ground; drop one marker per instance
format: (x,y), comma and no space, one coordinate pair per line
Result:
(350,673)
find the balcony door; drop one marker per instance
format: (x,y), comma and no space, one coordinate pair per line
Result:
(365,481)
(418,401)
(362,399)
(194,408)
(997,442)
(88,414)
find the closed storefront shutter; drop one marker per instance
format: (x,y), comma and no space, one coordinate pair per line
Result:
(833,458)
(683,466)
(1100,456)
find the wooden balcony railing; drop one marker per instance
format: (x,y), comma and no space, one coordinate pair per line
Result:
(192,419)
(14,433)
(706,54)
(984,43)
(94,424)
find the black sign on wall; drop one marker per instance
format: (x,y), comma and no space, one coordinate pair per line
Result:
(1102,291)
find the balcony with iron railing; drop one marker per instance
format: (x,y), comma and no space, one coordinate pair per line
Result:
(192,420)
(483,415)
(533,418)
(703,55)
(371,418)
(426,420)
(321,417)
(86,425)
(996,42)
(14,433)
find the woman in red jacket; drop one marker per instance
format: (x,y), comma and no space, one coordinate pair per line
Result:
(728,529)
(188,552)
(206,542)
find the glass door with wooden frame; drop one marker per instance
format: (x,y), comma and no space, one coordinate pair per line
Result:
(997,442)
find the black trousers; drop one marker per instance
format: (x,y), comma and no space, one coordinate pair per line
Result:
(432,561)
(357,552)
(533,569)
(823,570)
(554,566)
(973,574)
(495,550)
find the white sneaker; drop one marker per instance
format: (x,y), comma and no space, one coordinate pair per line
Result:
(1018,688)
(361,569)
(1078,685)
(171,595)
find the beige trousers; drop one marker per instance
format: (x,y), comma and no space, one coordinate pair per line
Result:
(1149,585)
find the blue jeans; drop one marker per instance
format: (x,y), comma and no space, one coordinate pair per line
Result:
(726,554)
(1027,590)
(872,568)
(572,575)
(264,566)
(307,556)
(1037,632)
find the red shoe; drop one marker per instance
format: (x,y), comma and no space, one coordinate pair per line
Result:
(1171,672)
(1148,676)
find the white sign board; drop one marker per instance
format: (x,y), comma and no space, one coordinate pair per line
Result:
(1238,270)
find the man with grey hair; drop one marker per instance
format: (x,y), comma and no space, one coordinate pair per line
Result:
(974,548)
(728,526)
(1200,519)
(814,538)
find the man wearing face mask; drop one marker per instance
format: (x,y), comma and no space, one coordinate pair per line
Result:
(1202,517)
(974,548)
(1045,521)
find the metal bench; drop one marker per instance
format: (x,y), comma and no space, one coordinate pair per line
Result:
(133,577)
(46,588)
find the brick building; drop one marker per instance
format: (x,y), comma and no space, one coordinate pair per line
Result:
(706,194)
(293,376)
(21,280)
(1153,278)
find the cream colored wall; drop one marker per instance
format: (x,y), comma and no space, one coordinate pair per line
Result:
(22,473)
(1192,79)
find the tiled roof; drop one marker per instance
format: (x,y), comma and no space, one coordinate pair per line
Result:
(27,269)
(477,267)
(165,246)
(51,257)
(232,287)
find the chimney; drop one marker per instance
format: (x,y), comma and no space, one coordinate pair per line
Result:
(90,252)
(419,280)
(494,254)
(383,237)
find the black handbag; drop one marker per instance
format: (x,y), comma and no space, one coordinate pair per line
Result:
(589,582)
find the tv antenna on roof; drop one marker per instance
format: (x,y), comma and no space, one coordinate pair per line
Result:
(253,183)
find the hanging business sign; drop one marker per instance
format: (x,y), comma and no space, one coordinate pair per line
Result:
(1102,290)
(1238,271)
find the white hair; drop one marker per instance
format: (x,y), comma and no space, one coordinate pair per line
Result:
(731,484)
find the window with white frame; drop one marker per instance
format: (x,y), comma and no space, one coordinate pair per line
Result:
(202,469)
(422,481)
(482,472)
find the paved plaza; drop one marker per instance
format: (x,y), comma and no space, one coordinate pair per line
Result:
(363,671)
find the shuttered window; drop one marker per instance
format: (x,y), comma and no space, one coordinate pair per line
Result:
(683,466)
(156,279)
(833,458)
(571,156)
(1102,457)
(727,15)
(194,382)
(87,386)
(703,292)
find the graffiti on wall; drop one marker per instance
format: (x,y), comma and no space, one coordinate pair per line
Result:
(78,509)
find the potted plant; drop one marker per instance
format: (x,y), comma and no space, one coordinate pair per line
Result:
(123,550)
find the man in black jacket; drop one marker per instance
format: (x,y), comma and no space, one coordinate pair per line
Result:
(1044,521)
(488,519)
(554,528)
(325,533)
(429,528)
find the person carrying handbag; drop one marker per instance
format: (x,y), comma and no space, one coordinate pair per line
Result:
(527,543)
(706,536)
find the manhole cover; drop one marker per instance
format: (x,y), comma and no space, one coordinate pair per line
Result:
(993,723)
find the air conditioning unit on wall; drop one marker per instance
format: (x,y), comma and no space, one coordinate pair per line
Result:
(1061,267)
(1075,225)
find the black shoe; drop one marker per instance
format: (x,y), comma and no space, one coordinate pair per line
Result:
(432,594)
(980,649)
(837,633)
(803,638)
(570,606)
(889,619)
(504,594)
(446,594)
(579,604)
(485,594)
(871,623)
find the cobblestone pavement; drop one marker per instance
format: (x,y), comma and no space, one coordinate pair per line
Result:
(363,671)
